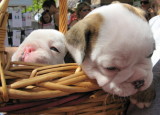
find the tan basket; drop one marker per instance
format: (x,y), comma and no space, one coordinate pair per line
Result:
(62,89)
(55,89)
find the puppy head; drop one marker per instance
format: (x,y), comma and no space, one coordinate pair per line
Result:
(44,46)
(114,44)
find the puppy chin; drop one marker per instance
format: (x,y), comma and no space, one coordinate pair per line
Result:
(121,83)
(124,89)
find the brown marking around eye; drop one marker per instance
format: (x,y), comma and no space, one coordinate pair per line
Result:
(86,29)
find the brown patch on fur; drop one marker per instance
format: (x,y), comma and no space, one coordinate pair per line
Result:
(83,35)
(113,2)
(138,11)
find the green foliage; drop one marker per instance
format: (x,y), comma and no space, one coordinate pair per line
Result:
(37,5)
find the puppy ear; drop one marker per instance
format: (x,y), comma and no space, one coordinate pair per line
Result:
(80,39)
(138,11)
(113,2)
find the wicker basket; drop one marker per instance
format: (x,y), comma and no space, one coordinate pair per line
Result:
(62,89)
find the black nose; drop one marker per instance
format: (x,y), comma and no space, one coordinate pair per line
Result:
(138,84)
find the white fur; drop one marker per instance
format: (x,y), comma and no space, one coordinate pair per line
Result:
(78,54)
(124,41)
(155,27)
(42,40)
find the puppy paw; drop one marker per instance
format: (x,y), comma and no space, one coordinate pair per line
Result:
(144,98)
(140,105)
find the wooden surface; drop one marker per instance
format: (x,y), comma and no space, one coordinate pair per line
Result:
(11,50)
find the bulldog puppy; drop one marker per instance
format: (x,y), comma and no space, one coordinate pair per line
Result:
(45,46)
(114,45)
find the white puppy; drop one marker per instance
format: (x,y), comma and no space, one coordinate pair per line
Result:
(114,45)
(44,46)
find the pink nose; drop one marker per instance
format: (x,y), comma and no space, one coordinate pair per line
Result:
(27,50)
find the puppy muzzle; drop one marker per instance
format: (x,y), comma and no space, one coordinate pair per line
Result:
(138,84)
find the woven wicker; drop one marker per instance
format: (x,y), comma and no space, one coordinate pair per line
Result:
(62,89)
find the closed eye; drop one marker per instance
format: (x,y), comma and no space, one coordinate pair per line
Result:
(150,55)
(55,49)
(112,68)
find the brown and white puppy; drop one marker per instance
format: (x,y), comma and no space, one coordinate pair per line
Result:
(45,46)
(114,45)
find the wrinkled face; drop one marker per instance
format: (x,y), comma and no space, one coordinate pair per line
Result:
(120,60)
(42,46)
(120,72)
(114,51)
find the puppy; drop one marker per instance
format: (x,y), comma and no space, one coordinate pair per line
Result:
(45,46)
(114,45)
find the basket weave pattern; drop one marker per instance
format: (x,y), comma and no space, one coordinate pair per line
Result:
(57,89)
(62,89)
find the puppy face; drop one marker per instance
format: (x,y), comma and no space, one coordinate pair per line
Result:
(114,45)
(44,46)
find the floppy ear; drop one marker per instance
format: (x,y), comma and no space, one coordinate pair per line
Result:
(138,11)
(80,39)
